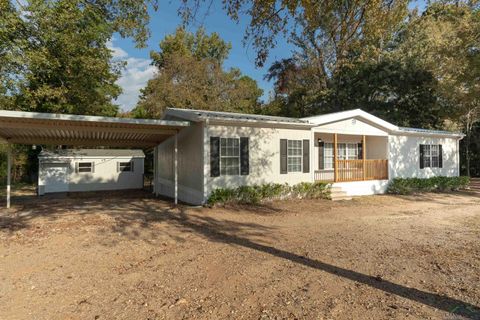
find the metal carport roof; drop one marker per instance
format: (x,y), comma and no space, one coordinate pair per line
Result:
(76,130)
(65,129)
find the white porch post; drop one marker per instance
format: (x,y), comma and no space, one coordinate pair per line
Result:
(9,172)
(175,167)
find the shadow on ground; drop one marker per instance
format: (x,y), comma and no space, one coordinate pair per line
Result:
(129,210)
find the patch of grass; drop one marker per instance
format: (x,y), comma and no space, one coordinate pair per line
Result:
(266,192)
(434,184)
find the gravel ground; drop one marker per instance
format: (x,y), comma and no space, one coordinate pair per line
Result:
(130,256)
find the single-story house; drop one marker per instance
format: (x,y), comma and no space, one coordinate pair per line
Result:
(77,170)
(357,152)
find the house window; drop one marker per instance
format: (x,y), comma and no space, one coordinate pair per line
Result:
(294,155)
(431,156)
(229,156)
(328,156)
(345,151)
(125,166)
(84,167)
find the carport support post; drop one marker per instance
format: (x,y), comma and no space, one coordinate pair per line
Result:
(9,172)
(175,167)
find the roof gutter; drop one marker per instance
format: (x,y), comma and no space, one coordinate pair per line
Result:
(456,135)
(258,122)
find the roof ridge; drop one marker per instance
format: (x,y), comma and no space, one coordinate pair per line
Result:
(239,116)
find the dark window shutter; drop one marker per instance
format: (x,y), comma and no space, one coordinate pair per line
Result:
(306,156)
(244,157)
(214,156)
(360,151)
(422,152)
(283,156)
(321,152)
(440,156)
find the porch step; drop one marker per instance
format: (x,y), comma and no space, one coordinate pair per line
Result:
(474,184)
(337,194)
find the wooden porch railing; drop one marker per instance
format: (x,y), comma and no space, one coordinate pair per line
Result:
(354,170)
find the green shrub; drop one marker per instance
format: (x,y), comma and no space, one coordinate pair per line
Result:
(434,184)
(270,191)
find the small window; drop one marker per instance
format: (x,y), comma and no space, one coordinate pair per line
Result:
(229,156)
(294,155)
(431,156)
(85,167)
(125,166)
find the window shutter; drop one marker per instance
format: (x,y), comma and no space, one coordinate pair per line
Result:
(321,155)
(306,156)
(132,165)
(422,153)
(93,167)
(214,156)
(440,156)
(360,151)
(283,156)
(118,166)
(244,157)
(76,167)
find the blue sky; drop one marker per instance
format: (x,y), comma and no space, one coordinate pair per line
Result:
(165,21)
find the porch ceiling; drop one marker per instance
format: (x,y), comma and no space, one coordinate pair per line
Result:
(62,129)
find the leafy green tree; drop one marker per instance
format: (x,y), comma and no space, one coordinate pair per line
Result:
(190,75)
(70,70)
(338,36)
(341,23)
(445,41)
(186,44)
(54,55)
(400,93)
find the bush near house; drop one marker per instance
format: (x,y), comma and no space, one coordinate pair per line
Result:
(434,184)
(270,191)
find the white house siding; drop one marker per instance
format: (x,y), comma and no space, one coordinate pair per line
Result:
(264,148)
(190,165)
(404,157)
(105,175)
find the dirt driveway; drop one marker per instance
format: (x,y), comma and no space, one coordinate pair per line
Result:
(130,256)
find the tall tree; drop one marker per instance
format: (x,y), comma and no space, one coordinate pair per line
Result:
(69,68)
(269,19)
(338,36)
(398,92)
(54,55)
(190,75)
(445,41)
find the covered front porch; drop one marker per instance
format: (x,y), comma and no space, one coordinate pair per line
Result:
(350,157)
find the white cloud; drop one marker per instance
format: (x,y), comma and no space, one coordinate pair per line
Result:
(134,77)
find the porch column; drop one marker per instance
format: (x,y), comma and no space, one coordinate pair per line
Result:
(364,154)
(335,158)
(9,172)
(175,166)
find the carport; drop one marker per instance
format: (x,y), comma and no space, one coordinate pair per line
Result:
(17,127)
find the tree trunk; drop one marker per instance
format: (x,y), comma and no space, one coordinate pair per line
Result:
(467,152)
